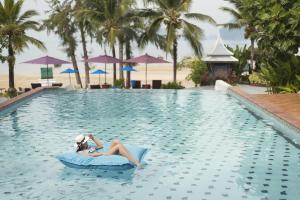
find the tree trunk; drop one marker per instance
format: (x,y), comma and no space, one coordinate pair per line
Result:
(252,56)
(128,55)
(115,65)
(121,52)
(11,64)
(175,44)
(85,56)
(75,66)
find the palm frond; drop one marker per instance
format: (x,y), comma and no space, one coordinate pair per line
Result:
(231,26)
(193,34)
(232,12)
(26,15)
(200,17)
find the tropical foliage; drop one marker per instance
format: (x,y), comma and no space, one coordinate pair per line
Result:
(281,75)
(85,28)
(256,79)
(243,18)
(3,46)
(199,71)
(278,26)
(117,24)
(14,25)
(242,54)
(113,25)
(61,22)
(275,26)
(172,85)
(173,16)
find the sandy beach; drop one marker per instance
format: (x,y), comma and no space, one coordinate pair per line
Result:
(164,73)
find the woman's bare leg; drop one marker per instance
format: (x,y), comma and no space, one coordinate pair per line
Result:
(120,149)
(114,143)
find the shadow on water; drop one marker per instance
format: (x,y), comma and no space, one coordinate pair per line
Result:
(111,175)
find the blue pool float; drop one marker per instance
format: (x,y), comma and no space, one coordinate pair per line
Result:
(114,162)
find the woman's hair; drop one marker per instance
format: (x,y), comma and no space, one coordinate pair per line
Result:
(81,147)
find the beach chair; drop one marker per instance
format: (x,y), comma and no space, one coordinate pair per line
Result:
(20,90)
(106,86)
(35,85)
(135,84)
(57,84)
(146,86)
(2,91)
(156,84)
(93,87)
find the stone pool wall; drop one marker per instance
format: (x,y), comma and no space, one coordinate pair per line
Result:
(282,110)
(14,102)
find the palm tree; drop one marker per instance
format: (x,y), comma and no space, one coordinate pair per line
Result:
(173,16)
(242,19)
(85,27)
(13,28)
(115,25)
(61,22)
(111,24)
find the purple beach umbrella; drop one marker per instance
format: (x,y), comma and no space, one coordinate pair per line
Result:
(47,60)
(104,59)
(147,59)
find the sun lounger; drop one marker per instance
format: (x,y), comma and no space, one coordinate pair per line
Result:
(93,87)
(106,86)
(57,84)
(135,84)
(35,85)
(146,86)
(2,90)
(20,91)
(156,84)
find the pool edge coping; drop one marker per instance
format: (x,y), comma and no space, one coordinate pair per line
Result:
(15,100)
(284,126)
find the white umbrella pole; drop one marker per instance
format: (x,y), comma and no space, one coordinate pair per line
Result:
(105,75)
(146,72)
(47,75)
(99,79)
(70,78)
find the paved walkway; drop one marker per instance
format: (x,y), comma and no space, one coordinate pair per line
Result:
(2,99)
(284,106)
(253,89)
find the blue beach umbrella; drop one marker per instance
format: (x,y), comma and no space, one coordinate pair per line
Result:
(99,72)
(69,71)
(128,69)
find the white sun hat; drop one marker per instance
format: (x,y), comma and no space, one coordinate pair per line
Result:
(81,139)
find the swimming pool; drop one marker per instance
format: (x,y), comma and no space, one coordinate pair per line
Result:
(204,145)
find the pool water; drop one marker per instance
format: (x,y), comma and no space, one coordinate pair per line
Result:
(204,145)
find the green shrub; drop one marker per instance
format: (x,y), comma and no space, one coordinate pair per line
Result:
(172,85)
(256,79)
(242,54)
(281,75)
(119,83)
(198,68)
(291,88)
(11,92)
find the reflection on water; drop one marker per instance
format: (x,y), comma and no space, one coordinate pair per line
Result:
(204,145)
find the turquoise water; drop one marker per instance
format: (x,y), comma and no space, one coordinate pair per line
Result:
(204,145)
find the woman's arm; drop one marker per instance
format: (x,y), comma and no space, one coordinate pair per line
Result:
(96,141)
(96,154)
